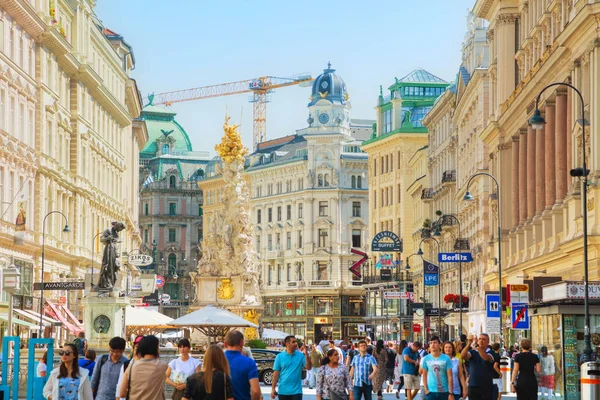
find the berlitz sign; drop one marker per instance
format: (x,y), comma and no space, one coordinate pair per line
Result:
(455,257)
(386,241)
(140,260)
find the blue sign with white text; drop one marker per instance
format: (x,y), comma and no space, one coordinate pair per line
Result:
(492,305)
(455,257)
(431,279)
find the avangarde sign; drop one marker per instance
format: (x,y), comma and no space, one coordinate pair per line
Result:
(386,241)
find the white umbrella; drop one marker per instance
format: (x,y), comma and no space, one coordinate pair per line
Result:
(212,321)
(273,334)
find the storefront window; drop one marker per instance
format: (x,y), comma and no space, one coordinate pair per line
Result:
(352,330)
(300,305)
(300,330)
(289,306)
(353,306)
(269,308)
(391,306)
(278,307)
(323,306)
(289,329)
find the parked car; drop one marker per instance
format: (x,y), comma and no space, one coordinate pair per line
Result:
(265,359)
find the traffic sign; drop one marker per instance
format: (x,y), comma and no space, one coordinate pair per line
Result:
(518,294)
(455,257)
(519,317)
(355,268)
(160,281)
(492,306)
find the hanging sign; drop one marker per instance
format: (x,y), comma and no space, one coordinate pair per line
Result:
(386,241)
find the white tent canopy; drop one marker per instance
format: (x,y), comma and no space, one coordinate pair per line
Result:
(211,316)
(273,334)
(141,317)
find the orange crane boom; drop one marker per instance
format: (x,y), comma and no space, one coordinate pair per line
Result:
(259,87)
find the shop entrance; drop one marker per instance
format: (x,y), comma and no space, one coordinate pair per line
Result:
(323,332)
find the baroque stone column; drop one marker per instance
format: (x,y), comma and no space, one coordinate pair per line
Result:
(522,175)
(531,172)
(560,143)
(569,139)
(515,180)
(550,171)
(540,179)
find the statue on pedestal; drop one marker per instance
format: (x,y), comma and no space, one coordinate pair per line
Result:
(110,257)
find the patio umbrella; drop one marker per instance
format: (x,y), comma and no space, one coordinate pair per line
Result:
(273,334)
(212,321)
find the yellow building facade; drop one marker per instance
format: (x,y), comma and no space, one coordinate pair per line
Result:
(69,140)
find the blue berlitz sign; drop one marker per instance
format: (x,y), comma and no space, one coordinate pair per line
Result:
(455,257)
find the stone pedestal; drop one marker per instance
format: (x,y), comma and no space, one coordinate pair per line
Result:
(103,318)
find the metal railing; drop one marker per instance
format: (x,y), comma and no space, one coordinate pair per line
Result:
(449,176)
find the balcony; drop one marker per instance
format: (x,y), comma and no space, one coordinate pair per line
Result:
(449,176)
(399,276)
(427,194)
(274,254)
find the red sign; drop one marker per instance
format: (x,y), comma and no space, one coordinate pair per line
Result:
(160,281)
(355,267)
(416,328)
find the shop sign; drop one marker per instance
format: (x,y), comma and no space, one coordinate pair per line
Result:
(386,274)
(139,260)
(416,328)
(570,290)
(136,301)
(27,302)
(17,302)
(386,241)
(518,293)
(322,320)
(74,285)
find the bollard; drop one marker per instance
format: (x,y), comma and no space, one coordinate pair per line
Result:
(590,381)
(506,374)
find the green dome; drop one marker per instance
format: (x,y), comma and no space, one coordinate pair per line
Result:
(163,130)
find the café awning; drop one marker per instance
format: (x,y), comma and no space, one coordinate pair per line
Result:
(4,317)
(54,311)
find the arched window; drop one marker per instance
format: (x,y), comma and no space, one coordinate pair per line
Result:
(172,264)
(326,179)
(353,180)
(359,182)
(165,149)
(320,180)
(172,181)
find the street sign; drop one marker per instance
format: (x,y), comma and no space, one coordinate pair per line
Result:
(355,268)
(519,317)
(139,260)
(492,306)
(416,328)
(431,276)
(386,274)
(386,241)
(455,257)
(493,325)
(75,285)
(398,295)
(160,281)
(518,294)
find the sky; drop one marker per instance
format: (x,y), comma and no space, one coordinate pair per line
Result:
(182,44)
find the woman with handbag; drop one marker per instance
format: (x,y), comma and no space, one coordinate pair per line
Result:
(68,381)
(381,356)
(144,379)
(333,381)
(214,381)
(523,381)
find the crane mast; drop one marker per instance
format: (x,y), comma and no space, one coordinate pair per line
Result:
(259,87)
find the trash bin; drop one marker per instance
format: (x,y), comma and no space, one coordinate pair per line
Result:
(506,374)
(590,381)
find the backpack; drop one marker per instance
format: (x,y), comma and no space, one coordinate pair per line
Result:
(80,344)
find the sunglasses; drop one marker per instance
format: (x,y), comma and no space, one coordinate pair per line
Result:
(65,352)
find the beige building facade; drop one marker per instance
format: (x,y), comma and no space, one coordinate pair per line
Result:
(70,142)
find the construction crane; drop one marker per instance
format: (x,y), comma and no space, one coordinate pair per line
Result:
(259,87)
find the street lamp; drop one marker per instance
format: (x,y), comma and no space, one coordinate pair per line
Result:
(460,301)
(537,122)
(65,229)
(439,285)
(424,303)
(93,254)
(469,197)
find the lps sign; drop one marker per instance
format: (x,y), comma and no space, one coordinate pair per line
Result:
(386,241)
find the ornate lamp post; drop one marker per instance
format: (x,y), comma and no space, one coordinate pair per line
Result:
(420,253)
(65,229)
(537,122)
(456,247)
(469,197)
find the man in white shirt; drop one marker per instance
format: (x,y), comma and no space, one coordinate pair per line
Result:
(340,352)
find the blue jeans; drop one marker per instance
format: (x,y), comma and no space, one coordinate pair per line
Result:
(365,389)
(312,382)
(437,396)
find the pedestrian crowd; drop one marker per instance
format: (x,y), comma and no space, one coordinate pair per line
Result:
(467,368)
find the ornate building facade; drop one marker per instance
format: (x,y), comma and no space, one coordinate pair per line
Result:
(395,170)
(171,205)
(69,141)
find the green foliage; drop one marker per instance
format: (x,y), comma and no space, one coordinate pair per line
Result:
(256,344)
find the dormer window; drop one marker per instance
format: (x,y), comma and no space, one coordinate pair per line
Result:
(172,181)
(166,149)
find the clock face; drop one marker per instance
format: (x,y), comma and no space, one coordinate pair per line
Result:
(420,312)
(102,324)
(323,118)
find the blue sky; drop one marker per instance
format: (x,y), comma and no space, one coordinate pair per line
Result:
(181,44)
